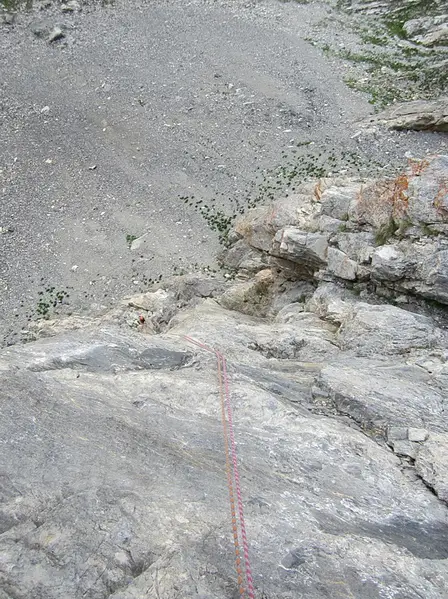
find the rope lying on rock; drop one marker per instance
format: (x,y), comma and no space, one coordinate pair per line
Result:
(233,477)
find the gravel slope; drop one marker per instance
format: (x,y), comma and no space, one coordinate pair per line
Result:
(142,103)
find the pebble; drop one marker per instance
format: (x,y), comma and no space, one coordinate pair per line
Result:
(71,6)
(7,18)
(55,34)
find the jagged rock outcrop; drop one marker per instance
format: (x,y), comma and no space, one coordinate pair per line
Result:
(112,471)
(429,31)
(386,235)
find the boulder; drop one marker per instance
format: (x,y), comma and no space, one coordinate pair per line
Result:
(252,297)
(437,37)
(254,227)
(338,200)
(48,30)
(358,246)
(429,31)
(424,25)
(151,301)
(340,265)
(306,249)
(389,263)
(242,257)
(420,115)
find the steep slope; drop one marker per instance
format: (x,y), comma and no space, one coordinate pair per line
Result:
(113,471)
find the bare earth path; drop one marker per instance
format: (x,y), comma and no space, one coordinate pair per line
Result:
(143,103)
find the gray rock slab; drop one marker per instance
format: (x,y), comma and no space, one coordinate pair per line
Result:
(420,115)
(432,464)
(378,394)
(113,482)
(386,330)
(340,265)
(306,249)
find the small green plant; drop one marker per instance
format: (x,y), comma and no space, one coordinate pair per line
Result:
(130,239)
(385,232)
(375,40)
(403,225)
(15,5)
(218,221)
(428,231)
(48,301)
(396,27)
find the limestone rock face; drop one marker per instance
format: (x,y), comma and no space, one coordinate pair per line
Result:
(112,465)
(390,233)
(420,115)
(113,481)
(432,464)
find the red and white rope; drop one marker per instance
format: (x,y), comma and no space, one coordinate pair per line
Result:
(233,477)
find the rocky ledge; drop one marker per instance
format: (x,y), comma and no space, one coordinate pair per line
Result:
(419,115)
(333,323)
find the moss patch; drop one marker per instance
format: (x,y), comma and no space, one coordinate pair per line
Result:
(387,65)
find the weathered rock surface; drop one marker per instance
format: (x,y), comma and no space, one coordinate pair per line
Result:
(251,297)
(390,233)
(386,330)
(112,470)
(113,480)
(420,115)
(429,31)
(432,463)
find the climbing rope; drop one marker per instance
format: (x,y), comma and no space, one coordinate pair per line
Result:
(250,586)
(233,477)
(239,570)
